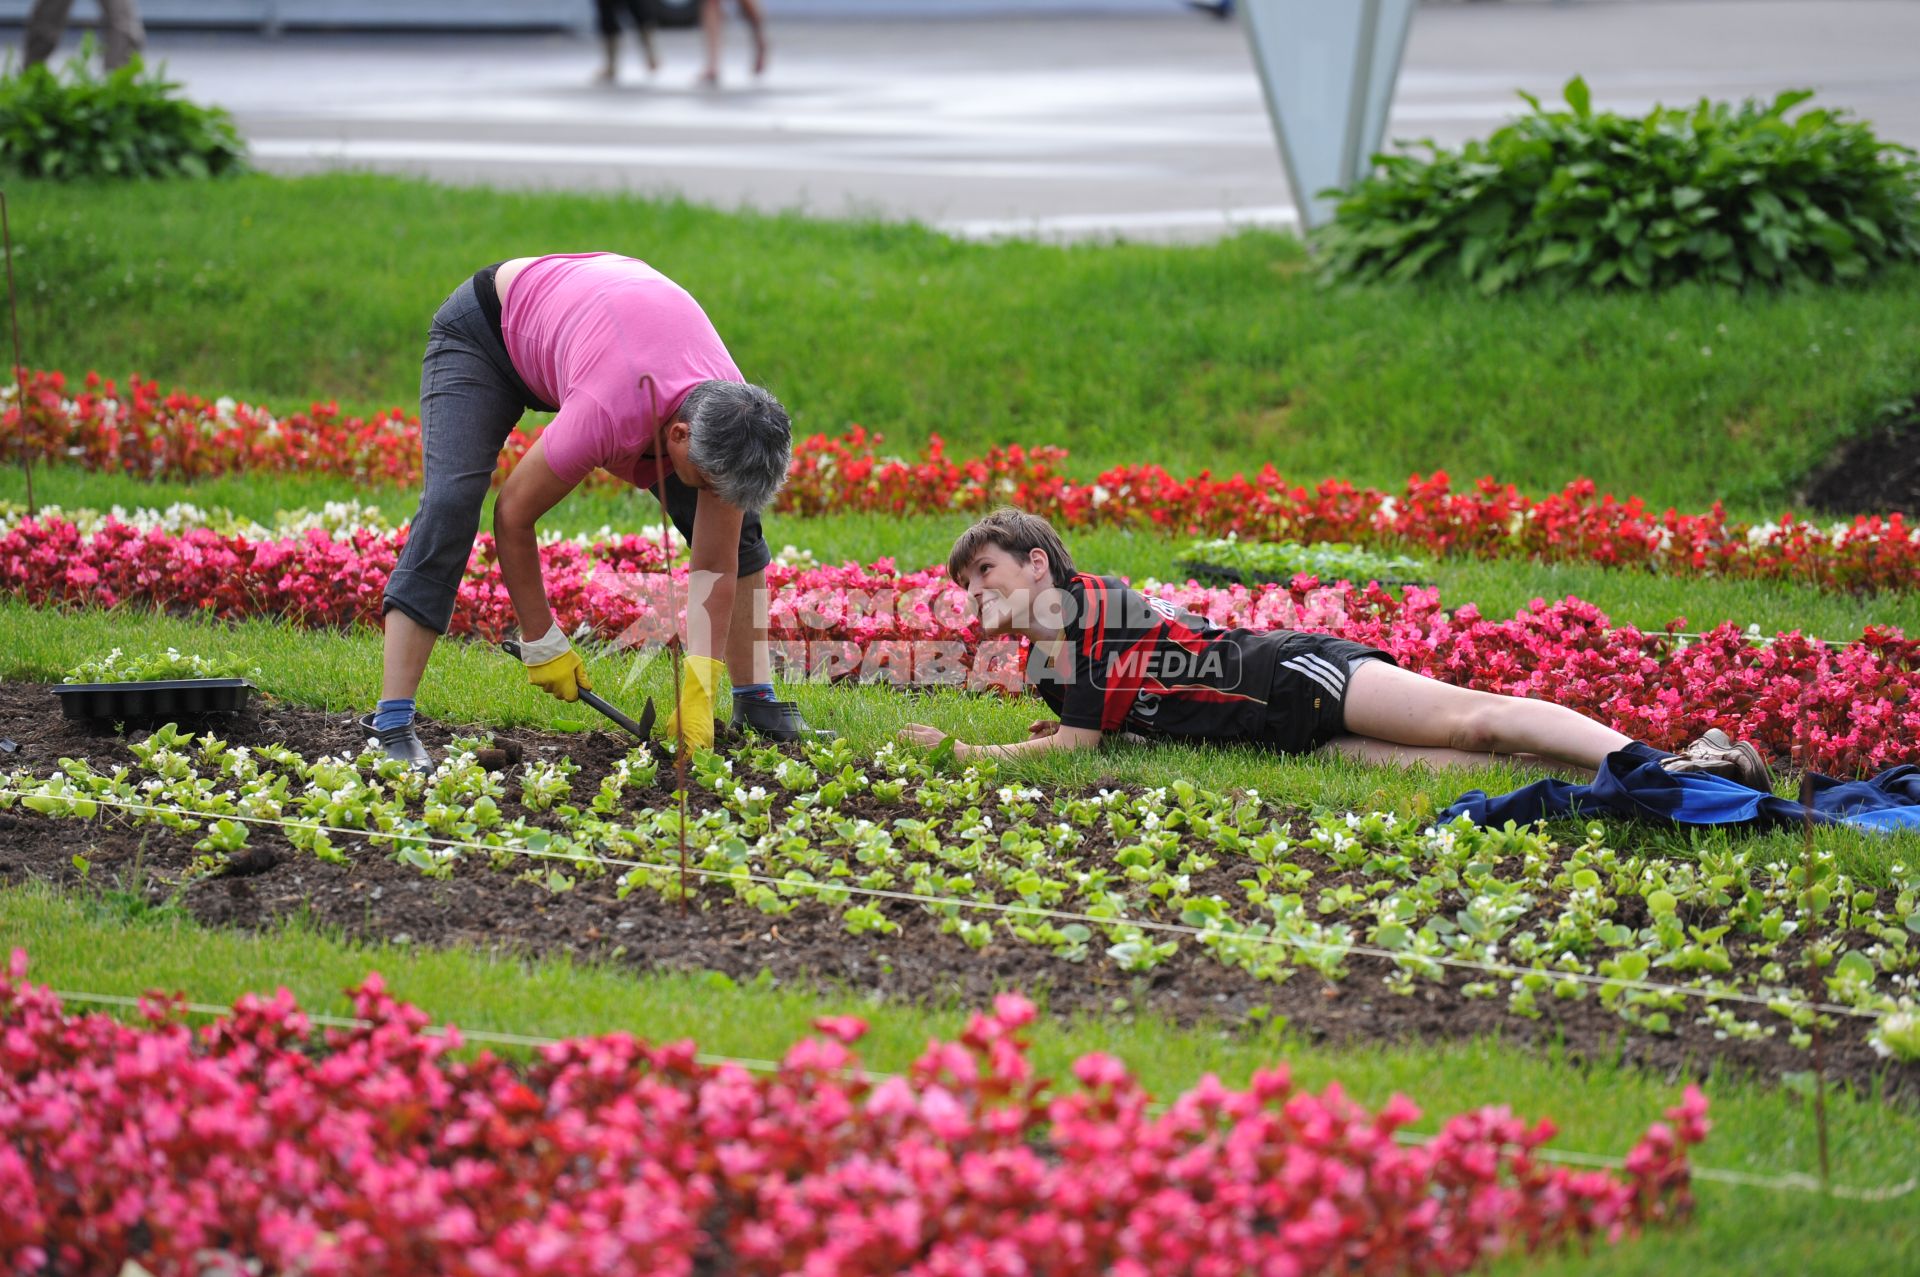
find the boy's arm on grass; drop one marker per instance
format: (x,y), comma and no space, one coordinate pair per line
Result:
(1061,738)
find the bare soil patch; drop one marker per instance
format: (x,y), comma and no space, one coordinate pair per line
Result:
(1873,473)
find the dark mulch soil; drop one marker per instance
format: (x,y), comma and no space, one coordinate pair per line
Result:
(1874,473)
(376,898)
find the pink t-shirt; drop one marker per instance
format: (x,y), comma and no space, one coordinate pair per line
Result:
(617,345)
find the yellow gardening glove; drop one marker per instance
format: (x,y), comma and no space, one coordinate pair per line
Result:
(698,684)
(554,667)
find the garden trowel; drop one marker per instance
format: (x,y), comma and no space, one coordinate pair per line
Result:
(643,729)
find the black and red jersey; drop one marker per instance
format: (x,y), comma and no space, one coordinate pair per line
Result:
(1141,664)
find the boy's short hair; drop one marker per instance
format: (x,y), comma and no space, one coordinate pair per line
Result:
(1019,534)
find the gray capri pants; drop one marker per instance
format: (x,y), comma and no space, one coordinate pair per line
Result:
(471,398)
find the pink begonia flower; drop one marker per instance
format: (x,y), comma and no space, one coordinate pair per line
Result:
(1013,1011)
(944,1115)
(844,1028)
(1399,1111)
(1098,1071)
(893,1098)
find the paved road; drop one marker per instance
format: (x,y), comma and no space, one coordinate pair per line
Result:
(1066,126)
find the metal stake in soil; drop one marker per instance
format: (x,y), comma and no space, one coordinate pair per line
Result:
(680,766)
(19,370)
(1802,746)
(1813,983)
(648,384)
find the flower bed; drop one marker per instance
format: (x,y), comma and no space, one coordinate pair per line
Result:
(1519,926)
(1578,524)
(1850,709)
(385,1153)
(157,434)
(317,578)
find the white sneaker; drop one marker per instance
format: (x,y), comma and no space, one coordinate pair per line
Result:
(1717,754)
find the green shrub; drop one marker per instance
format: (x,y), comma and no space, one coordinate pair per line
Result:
(124,123)
(1584,198)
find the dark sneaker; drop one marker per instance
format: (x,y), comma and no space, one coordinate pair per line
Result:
(1717,754)
(400,743)
(775,720)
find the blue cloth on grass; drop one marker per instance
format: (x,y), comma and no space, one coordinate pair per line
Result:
(1632,783)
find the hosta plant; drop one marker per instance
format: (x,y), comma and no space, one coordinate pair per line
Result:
(127,123)
(1747,194)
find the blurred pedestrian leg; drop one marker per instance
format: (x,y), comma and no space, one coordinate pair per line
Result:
(641,11)
(121,34)
(711,22)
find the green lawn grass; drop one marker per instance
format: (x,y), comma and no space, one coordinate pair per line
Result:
(99,947)
(1225,355)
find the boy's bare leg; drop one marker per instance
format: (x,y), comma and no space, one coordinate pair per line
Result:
(1398,707)
(1385,752)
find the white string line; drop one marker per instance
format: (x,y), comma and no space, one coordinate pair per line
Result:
(1144,924)
(1792,1181)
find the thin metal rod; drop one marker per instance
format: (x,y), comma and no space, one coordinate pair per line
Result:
(673,646)
(1804,744)
(19,369)
(680,769)
(1813,984)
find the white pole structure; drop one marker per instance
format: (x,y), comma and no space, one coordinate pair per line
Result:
(1328,69)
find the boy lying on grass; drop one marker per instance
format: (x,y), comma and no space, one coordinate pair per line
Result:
(1106,659)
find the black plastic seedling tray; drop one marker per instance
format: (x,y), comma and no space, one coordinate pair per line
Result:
(156,698)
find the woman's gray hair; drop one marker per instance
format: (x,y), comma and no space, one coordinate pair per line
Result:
(740,439)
